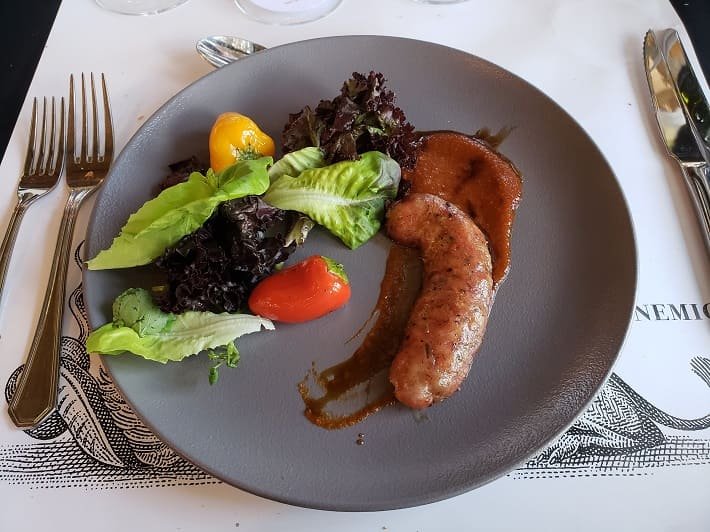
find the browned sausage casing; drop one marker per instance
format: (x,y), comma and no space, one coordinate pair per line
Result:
(447,323)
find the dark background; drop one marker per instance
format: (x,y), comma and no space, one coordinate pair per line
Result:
(25,25)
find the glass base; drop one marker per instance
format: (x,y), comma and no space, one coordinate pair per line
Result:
(139,7)
(286,12)
(440,1)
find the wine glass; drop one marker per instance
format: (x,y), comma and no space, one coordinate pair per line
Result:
(287,11)
(139,7)
(440,1)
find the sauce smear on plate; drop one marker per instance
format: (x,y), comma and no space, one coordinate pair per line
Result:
(360,385)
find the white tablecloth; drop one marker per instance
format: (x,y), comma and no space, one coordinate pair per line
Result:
(623,467)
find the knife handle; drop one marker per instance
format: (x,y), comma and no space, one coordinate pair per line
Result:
(698,180)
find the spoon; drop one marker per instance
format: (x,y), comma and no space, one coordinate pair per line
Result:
(220,50)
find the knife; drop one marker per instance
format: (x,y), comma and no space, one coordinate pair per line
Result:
(686,84)
(682,139)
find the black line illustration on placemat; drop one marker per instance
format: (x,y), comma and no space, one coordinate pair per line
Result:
(93,439)
(621,434)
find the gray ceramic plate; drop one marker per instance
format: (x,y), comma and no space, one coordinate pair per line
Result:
(556,328)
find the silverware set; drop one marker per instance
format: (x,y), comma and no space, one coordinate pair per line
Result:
(36,393)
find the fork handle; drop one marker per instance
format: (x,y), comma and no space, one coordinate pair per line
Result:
(36,393)
(8,243)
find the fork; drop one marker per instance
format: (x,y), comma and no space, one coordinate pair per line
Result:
(36,394)
(39,176)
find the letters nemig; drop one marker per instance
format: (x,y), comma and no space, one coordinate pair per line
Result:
(672,312)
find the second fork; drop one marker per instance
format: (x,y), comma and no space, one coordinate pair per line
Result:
(36,394)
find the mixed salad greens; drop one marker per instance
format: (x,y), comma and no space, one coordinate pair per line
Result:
(214,268)
(178,211)
(217,235)
(140,327)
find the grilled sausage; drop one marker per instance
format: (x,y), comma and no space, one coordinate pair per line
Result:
(447,323)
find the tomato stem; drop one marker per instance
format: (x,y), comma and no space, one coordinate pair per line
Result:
(335,268)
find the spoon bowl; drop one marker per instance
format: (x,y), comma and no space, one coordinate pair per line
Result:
(220,50)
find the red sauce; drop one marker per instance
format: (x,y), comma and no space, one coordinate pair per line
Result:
(470,174)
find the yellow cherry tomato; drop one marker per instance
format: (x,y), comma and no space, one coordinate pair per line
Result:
(234,137)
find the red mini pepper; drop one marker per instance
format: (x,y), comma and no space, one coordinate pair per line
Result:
(305,291)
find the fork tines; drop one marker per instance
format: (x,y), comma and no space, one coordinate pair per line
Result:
(97,155)
(50,163)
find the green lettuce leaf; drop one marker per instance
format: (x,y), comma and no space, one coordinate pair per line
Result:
(135,329)
(348,198)
(178,211)
(296,162)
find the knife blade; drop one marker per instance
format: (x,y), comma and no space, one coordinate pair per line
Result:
(682,140)
(686,84)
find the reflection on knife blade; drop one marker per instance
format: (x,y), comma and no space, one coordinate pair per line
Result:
(682,140)
(687,85)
